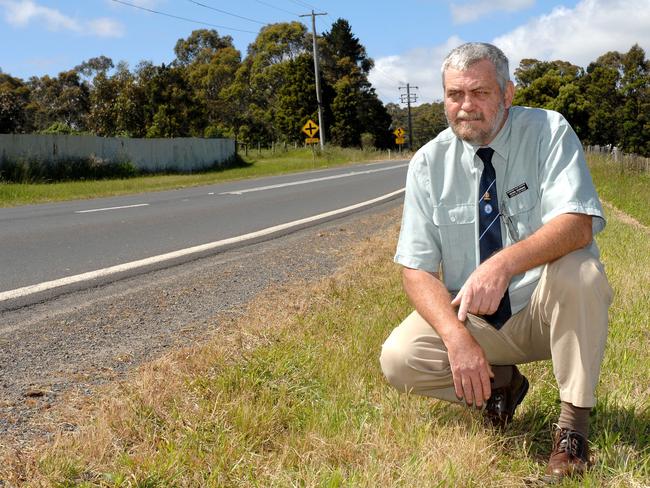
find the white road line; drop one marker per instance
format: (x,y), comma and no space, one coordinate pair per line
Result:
(312,180)
(112,208)
(120,268)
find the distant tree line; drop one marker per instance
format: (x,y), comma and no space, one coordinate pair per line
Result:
(607,104)
(210,91)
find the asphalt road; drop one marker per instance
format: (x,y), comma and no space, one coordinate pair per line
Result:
(42,243)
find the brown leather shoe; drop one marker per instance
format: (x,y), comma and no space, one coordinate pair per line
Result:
(503,401)
(570,455)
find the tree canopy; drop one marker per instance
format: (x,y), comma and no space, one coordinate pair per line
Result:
(608,103)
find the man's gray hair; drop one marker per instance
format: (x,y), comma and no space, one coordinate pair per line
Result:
(470,53)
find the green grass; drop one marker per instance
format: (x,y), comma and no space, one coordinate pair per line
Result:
(626,188)
(254,165)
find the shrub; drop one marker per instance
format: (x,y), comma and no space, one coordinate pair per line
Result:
(367,141)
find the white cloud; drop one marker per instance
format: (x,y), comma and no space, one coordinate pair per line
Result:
(419,67)
(105,27)
(581,34)
(578,35)
(469,12)
(21,13)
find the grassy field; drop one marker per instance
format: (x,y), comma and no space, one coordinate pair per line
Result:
(625,188)
(293,396)
(256,164)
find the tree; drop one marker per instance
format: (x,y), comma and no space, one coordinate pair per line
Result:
(340,43)
(572,103)
(169,110)
(294,102)
(117,105)
(539,82)
(210,62)
(345,130)
(94,66)
(601,87)
(276,59)
(14,100)
(200,46)
(635,88)
(62,99)
(353,104)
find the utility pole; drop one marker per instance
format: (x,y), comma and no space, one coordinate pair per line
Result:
(321,122)
(408,98)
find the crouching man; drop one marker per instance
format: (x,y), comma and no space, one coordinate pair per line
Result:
(499,258)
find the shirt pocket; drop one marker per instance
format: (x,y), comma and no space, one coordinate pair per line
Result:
(521,214)
(457,227)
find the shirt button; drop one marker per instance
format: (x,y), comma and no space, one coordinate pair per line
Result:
(521,205)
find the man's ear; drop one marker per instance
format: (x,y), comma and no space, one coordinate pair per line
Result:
(510,94)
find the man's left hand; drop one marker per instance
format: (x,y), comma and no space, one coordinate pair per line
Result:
(483,290)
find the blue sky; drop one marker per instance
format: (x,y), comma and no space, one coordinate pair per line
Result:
(406,38)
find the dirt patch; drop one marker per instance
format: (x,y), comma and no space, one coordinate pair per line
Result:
(625,218)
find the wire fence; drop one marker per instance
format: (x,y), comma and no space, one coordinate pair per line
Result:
(628,163)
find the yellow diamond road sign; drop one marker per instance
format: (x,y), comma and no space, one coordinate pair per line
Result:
(310,128)
(399,132)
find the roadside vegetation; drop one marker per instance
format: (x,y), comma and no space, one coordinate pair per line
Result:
(264,162)
(624,184)
(294,396)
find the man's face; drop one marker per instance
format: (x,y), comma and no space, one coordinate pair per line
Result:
(474,104)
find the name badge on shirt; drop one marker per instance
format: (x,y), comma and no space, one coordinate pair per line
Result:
(513,192)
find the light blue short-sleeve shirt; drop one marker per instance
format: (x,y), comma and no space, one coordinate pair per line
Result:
(541,173)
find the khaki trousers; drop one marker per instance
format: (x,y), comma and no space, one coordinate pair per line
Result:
(565,320)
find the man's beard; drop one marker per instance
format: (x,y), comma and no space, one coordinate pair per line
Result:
(476,136)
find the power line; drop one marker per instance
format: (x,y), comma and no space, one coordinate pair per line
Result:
(277,8)
(182,18)
(227,13)
(303,4)
(386,75)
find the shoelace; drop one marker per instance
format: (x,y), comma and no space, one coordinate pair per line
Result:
(570,443)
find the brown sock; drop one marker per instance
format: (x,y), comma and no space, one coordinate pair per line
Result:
(574,418)
(502,376)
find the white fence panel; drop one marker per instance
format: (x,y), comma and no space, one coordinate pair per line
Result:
(182,154)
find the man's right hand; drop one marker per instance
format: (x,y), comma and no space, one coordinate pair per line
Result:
(470,369)
(469,366)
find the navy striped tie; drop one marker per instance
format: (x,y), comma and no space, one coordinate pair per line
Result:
(490,228)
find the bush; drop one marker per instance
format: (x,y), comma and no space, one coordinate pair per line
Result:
(59,128)
(212,132)
(367,141)
(29,170)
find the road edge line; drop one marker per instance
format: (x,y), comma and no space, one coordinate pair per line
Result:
(185,253)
